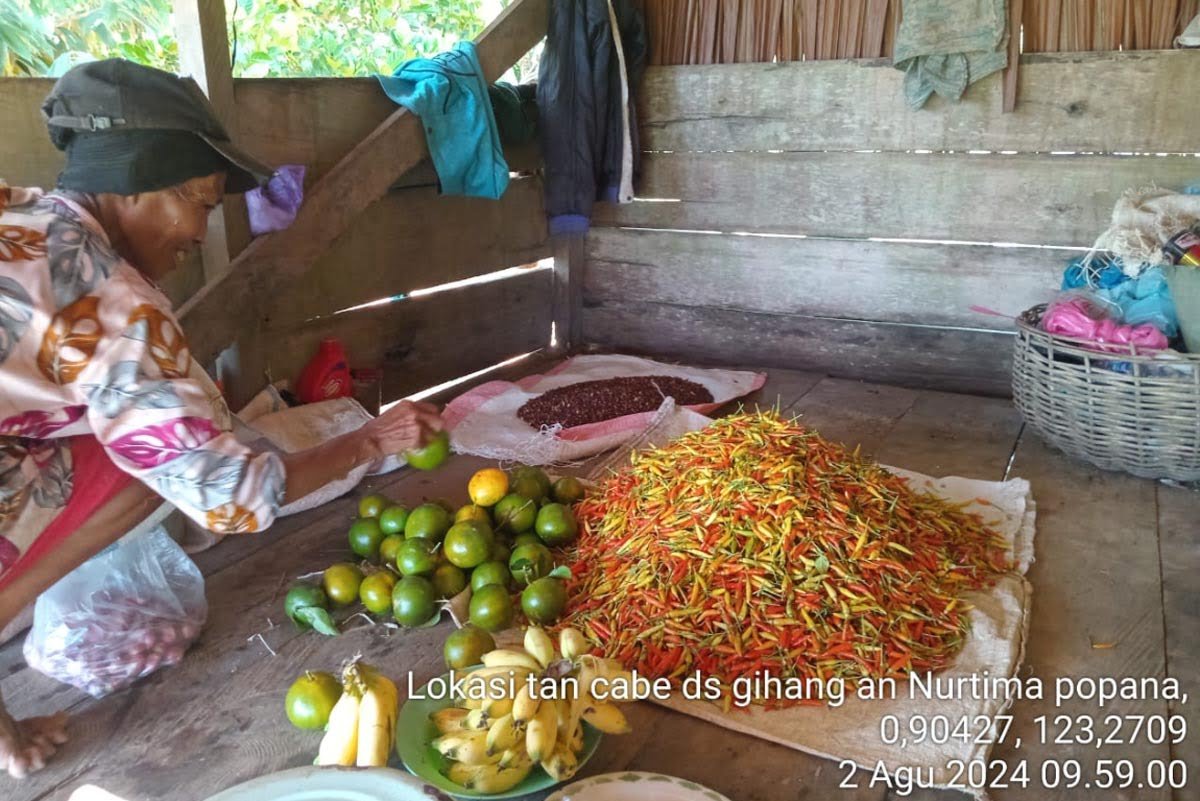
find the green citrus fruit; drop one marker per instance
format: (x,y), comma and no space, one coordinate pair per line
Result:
(417,558)
(365,536)
(393,518)
(515,513)
(491,608)
(449,580)
(568,490)
(528,538)
(466,646)
(390,547)
(556,525)
(493,572)
(375,592)
(473,512)
(432,455)
(428,521)
(341,583)
(302,596)
(500,552)
(529,563)
(310,699)
(544,600)
(468,544)
(372,505)
(530,482)
(308,607)
(414,601)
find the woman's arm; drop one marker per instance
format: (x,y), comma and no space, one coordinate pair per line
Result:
(403,427)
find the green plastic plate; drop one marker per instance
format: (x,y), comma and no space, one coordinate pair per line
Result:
(415,731)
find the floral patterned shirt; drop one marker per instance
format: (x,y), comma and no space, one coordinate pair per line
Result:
(90,346)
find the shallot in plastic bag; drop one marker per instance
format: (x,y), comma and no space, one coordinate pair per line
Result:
(133,608)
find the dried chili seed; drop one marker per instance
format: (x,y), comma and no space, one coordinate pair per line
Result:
(596,401)
(754,546)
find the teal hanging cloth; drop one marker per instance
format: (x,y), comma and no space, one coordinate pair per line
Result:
(450,95)
(945,45)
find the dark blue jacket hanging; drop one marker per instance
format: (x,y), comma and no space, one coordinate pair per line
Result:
(586,107)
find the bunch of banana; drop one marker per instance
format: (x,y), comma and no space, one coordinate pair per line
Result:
(362,724)
(494,743)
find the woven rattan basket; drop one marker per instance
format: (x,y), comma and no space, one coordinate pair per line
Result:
(1123,410)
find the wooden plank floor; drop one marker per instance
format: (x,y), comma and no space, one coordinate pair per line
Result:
(1118,566)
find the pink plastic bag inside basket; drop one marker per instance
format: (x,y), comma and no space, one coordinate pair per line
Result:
(1078,317)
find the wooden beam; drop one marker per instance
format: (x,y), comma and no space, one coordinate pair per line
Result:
(567,292)
(215,316)
(777,275)
(375,258)
(1015,13)
(1066,104)
(1031,199)
(925,357)
(204,54)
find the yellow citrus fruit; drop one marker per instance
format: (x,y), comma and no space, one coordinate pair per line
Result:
(341,582)
(375,592)
(473,512)
(488,486)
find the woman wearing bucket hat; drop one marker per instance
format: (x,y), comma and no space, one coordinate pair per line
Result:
(103,411)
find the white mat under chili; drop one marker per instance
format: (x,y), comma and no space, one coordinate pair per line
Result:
(995,647)
(484,421)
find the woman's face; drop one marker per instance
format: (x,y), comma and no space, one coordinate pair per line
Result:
(159,229)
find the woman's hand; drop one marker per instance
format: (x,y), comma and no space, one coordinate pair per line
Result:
(405,426)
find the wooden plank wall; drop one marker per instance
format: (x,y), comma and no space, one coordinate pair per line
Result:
(799,215)
(410,239)
(26,156)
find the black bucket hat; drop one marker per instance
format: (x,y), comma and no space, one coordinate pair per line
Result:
(115,96)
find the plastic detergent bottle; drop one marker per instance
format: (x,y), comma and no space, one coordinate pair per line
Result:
(326,376)
(1184,248)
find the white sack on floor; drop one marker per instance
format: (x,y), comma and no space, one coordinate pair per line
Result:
(484,421)
(299,428)
(996,644)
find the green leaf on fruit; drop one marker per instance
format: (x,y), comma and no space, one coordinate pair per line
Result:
(319,619)
(561,572)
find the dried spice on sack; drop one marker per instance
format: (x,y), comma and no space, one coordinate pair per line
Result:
(754,547)
(609,398)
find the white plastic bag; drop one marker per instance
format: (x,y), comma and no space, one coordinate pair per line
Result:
(133,608)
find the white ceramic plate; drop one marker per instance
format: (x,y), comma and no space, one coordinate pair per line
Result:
(332,784)
(635,786)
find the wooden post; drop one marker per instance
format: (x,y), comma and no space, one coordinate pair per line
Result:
(1015,12)
(204,54)
(567,297)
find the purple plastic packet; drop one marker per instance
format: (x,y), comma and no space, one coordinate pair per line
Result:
(274,207)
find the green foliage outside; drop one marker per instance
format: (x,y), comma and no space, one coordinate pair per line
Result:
(268,38)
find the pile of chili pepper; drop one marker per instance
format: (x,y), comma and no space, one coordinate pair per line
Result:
(754,547)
